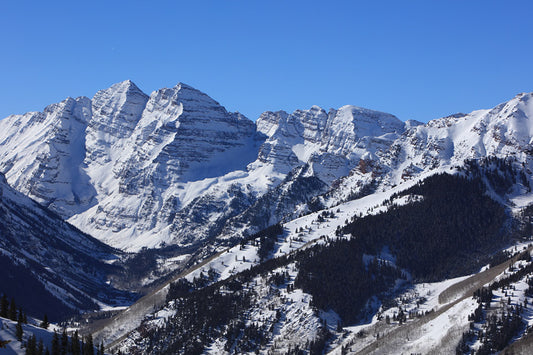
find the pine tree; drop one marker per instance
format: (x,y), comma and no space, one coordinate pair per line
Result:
(55,344)
(44,323)
(75,344)
(4,307)
(19,331)
(31,346)
(88,347)
(13,310)
(64,342)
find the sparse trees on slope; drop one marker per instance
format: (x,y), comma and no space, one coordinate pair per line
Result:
(45,323)
(4,307)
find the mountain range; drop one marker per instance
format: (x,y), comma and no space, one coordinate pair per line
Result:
(163,183)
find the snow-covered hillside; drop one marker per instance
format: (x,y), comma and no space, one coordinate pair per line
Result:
(444,143)
(250,213)
(173,168)
(49,265)
(436,313)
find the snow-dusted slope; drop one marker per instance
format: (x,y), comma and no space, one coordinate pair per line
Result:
(174,167)
(41,154)
(47,264)
(504,131)
(286,314)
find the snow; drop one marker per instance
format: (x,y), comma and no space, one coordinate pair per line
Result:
(420,335)
(7,332)
(121,165)
(443,324)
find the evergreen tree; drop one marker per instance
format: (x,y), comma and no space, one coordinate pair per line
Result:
(55,344)
(13,310)
(44,323)
(31,346)
(4,307)
(64,342)
(88,347)
(75,344)
(19,331)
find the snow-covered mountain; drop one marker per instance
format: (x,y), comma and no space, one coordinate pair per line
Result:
(504,131)
(48,265)
(173,168)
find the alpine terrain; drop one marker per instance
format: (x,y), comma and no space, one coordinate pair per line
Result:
(164,224)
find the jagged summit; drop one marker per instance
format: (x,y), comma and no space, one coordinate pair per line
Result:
(175,170)
(175,166)
(125,85)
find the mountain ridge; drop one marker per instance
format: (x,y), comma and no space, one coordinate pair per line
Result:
(159,153)
(141,170)
(242,213)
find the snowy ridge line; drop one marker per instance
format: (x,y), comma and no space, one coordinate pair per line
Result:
(230,261)
(151,171)
(460,292)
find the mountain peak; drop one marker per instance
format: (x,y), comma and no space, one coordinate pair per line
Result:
(181,85)
(127,86)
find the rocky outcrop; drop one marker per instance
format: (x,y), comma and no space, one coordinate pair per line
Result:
(42,155)
(115,114)
(175,168)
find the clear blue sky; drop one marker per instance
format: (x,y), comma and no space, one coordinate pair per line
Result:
(416,59)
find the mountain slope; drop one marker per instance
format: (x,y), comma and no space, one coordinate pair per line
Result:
(47,264)
(504,131)
(42,152)
(318,278)
(172,168)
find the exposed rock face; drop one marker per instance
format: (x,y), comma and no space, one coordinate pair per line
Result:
(176,168)
(42,153)
(116,112)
